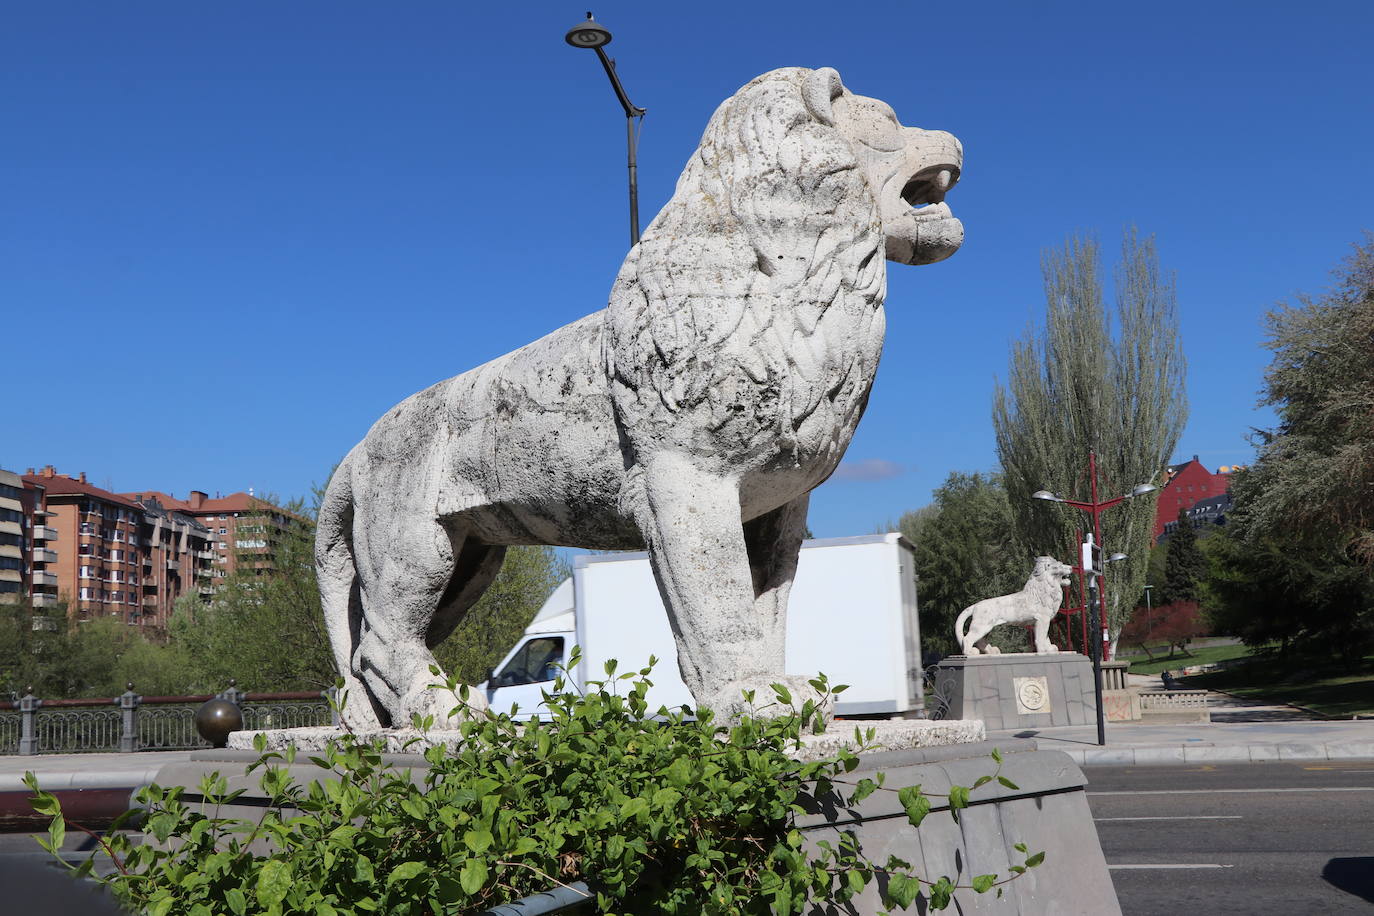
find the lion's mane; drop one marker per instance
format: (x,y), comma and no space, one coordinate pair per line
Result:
(756,294)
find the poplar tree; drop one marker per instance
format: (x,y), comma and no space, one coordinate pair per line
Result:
(1090,381)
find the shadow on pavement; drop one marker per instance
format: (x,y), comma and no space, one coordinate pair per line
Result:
(1354,875)
(35,883)
(1267,714)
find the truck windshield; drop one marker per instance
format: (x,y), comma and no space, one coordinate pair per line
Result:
(537,661)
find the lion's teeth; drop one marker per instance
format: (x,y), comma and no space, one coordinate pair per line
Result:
(942,180)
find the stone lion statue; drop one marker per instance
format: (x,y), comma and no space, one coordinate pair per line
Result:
(692,416)
(1037,603)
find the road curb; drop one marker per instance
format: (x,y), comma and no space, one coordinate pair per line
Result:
(1205,753)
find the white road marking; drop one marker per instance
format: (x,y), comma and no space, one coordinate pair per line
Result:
(1199,865)
(1239,791)
(1177,817)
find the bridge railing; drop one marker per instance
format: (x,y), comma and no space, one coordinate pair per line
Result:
(130,722)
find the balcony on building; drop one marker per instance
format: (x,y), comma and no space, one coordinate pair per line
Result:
(44,533)
(41,600)
(44,555)
(43,577)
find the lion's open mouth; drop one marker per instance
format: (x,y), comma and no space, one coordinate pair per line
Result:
(925,191)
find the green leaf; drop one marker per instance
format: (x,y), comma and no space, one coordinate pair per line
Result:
(1020,847)
(997,755)
(1035,860)
(783,693)
(916,805)
(941,893)
(902,890)
(404,872)
(473,876)
(236,901)
(855,879)
(57,832)
(274,882)
(1008,783)
(958,799)
(981,883)
(478,840)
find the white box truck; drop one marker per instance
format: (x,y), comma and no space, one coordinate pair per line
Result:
(851,615)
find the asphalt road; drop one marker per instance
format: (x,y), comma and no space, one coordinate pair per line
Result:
(1250,839)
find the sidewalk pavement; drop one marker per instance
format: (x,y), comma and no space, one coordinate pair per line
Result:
(1241,731)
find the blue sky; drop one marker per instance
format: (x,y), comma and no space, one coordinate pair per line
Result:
(232,235)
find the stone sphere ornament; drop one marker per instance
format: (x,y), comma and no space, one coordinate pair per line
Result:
(690,418)
(216,719)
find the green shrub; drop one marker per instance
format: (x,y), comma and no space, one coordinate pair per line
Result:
(665,815)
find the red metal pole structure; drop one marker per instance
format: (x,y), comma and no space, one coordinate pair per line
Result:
(1096,508)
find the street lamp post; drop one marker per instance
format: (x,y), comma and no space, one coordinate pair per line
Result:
(1096,507)
(591,34)
(1092,571)
(1149,613)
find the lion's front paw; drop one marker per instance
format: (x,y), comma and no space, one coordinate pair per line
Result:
(993,650)
(1048,649)
(441,703)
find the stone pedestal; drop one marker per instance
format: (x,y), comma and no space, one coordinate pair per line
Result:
(1017,691)
(1048,811)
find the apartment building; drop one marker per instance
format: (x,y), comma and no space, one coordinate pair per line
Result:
(120,558)
(27,543)
(239,524)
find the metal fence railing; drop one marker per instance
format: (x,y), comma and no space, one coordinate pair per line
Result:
(130,722)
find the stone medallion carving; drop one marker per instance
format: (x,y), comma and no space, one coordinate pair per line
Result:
(1032,694)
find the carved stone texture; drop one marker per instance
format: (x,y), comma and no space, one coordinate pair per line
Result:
(1036,604)
(691,417)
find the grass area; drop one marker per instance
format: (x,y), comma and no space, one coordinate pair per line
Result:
(1204,656)
(1333,692)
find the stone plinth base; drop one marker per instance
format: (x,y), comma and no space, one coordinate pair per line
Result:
(1047,811)
(889,735)
(1018,691)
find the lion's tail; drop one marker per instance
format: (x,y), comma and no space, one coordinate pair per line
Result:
(960,630)
(335,570)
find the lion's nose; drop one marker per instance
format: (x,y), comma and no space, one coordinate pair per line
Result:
(934,148)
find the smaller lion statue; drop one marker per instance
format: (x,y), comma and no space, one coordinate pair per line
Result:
(1037,603)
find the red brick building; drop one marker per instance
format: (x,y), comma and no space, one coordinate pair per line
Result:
(238,524)
(1186,485)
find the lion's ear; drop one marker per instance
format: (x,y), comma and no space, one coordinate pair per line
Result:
(821,88)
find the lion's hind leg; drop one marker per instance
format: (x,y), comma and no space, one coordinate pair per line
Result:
(405,566)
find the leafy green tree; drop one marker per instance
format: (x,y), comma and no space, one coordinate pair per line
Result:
(527,578)
(263,626)
(27,654)
(1315,470)
(1184,565)
(1090,383)
(1306,591)
(964,553)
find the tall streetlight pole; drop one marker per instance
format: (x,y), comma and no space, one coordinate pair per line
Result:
(591,34)
(1096,507)
(1092,571)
